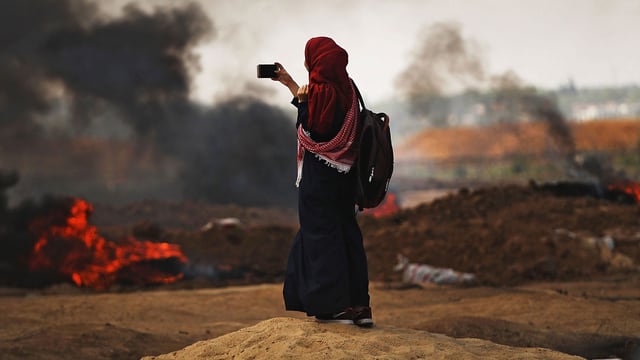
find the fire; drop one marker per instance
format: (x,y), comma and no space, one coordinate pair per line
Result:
(388,206)
(68,244)
(629,187)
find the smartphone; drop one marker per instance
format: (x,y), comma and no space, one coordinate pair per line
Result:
(267,71)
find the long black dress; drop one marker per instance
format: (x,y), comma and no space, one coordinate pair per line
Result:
(327,265)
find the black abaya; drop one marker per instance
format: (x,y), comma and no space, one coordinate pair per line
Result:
(327,265)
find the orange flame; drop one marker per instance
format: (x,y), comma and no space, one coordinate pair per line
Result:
(75,249)
(388,207)
(629,187)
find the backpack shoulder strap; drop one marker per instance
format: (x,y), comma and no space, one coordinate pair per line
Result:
(384,116)
(358,93)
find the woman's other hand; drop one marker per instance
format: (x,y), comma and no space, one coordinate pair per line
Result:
(303,93)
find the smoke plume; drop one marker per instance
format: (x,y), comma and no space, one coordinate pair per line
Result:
(442,60)
(98,106)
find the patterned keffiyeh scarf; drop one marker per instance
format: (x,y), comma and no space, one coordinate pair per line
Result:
(339,152)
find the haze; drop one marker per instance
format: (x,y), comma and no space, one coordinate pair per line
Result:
(546,42)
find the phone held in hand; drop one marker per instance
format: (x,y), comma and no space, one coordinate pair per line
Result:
(267,71)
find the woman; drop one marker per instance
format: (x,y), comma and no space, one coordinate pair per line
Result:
(327,267)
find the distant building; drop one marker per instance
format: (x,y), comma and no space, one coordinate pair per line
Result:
(607,110)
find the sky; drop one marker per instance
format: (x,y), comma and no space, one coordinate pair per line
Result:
(545,42)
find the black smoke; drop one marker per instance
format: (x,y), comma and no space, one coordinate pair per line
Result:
(241,151)
(16,239)
(98,106)
(135,63)
(138,63)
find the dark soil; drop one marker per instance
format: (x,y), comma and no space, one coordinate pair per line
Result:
(510,234)
(506,235)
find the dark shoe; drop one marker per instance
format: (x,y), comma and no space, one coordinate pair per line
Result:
(343,317)
(362,316)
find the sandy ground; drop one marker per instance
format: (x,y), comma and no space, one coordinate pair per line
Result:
(589,319)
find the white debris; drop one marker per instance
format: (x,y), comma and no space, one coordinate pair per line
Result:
(422,274)
(228,222)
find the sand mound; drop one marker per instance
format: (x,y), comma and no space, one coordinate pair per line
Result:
(281,338)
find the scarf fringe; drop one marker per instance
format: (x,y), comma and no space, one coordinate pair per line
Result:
(341,168)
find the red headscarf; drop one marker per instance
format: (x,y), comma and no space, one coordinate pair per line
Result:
(329,84)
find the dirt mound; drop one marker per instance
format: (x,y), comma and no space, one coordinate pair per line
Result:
(510,234)
(505,235)
(286,338)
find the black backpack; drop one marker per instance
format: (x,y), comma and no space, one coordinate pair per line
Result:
(374,164)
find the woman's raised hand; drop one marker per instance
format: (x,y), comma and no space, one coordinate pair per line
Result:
(282,74)
(286,79)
